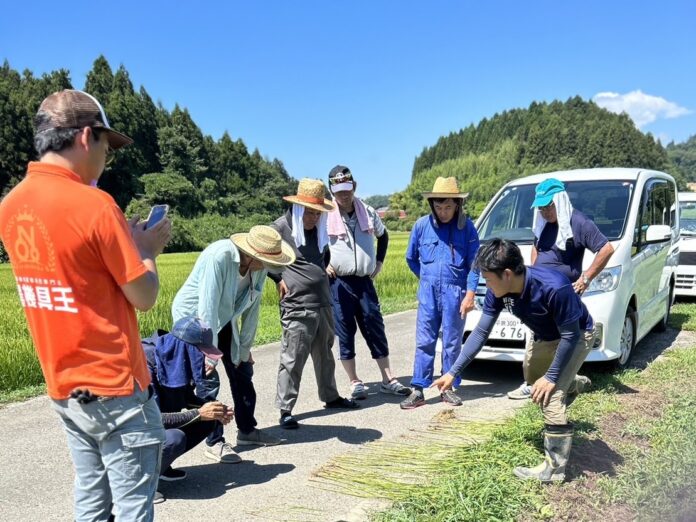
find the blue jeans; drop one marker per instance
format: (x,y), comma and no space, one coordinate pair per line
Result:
(116,448)
(355,305)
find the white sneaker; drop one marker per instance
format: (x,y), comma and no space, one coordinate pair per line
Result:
(222,452)
(358,390)
(523,392)
(395,388)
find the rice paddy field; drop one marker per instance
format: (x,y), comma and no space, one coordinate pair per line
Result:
(19,368)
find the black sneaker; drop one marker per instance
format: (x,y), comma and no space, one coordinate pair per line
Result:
(287,421)
(348,404)
(451,398)
(413,401)
(172,475)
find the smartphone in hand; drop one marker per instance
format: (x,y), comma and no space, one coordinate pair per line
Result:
(157,213)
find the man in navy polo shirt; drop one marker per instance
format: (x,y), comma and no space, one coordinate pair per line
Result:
(561,236)
(545,301)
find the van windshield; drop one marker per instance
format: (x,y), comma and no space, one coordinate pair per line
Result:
(687,218)
(604,202)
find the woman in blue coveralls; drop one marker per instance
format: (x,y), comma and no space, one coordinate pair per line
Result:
(441,251)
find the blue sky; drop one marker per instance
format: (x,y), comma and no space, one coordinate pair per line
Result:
(368,84)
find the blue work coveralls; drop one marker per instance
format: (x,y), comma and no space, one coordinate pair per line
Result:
(440,255)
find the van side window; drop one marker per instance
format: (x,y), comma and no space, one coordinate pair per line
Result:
(658,207)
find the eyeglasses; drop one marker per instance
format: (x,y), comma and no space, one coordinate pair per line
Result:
(110,153)
(546,207)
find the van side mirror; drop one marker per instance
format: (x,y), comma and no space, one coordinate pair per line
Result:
(658,234)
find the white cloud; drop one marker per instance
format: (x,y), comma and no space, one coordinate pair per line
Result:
(642,108)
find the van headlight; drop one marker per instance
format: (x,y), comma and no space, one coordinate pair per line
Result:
(606,281)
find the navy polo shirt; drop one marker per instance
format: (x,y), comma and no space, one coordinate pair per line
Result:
(586,235)
(546,303)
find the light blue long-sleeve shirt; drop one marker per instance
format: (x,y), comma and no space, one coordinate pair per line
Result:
(211,293)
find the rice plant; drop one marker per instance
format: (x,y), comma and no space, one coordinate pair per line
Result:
(19,367)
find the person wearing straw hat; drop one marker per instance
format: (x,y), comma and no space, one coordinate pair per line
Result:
(353,227)
(81,271)
(561,236)
(441,251)
(305,302)
(224,289)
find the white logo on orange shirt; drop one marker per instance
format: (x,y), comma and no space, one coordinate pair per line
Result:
(48,294)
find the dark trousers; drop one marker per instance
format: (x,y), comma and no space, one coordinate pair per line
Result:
(180,440)
(355,305)
(243,392)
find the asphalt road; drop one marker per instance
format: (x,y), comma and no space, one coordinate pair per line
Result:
(271,483)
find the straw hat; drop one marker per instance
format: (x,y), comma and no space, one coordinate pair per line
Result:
(445,188)
(264,243)
(310,194)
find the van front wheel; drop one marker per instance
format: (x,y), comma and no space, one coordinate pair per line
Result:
(628,339)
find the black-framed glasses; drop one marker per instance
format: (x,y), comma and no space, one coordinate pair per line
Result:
(546,207)
(110,153)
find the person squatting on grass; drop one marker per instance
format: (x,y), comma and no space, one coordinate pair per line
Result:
(352,228)
(440,252)
(305,302)
(561,236)
(176,362)
(546,302)
(81,270)
(223,289)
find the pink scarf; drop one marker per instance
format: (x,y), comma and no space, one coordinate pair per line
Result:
(336,226)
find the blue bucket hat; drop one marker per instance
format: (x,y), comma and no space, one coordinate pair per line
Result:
(545,191)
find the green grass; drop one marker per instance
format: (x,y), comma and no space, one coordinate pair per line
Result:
(683,315)
(462,470)
(20,373)
(653,478)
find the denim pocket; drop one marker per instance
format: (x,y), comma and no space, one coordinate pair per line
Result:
(141,452)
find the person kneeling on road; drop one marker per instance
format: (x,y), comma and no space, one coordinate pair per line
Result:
(176,362)
(563,329)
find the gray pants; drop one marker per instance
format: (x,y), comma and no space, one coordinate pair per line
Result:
(538,358)
(305,332)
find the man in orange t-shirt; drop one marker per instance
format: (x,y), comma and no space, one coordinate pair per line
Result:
(81,270)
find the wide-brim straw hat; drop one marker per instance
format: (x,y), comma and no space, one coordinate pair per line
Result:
(265,244)
(445,188)
(310,194)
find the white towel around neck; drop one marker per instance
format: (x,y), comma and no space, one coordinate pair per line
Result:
(298,228)
(564,209)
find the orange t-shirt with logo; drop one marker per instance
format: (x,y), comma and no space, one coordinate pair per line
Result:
(71,249)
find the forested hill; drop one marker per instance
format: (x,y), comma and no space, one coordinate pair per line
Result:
(214,187)
(683,155)
(542,138)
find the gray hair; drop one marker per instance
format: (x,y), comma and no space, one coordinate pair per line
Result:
(52,139)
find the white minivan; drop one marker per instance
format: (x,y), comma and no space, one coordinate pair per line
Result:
(686,271)
(636,210)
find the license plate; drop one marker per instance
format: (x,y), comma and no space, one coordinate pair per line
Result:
(510,329)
